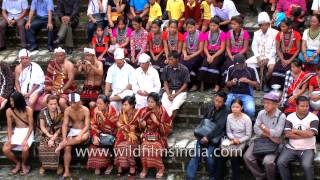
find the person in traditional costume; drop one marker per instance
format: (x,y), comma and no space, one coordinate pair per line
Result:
(103,123)
(288,46)
(20,137)
(295,85)
(59,78)
(156,47)
(237,42)
(51,118)
(156,125)
(29,78)
(138,40)
(264,49)
(6,84)
(146,80)
(120,35)
(92,69)
(192,49)
(172,39)
(127,137)
(119,80)
(214,48)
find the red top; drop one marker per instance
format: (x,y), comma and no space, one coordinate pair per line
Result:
(100,46)
(165,38)
(296,38)
(314,83)
(193,12)
(157,44)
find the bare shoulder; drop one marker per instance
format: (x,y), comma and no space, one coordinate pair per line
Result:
(68,64)
(29,110)
(9,111)
(17,69)
(85,109)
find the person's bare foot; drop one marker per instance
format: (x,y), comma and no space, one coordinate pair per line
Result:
(66,174)
(16,169)
(143,173)
(160,173)
(97,171)
(25,170)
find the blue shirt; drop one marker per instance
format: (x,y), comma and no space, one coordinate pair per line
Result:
(42,7)
(14,8)
(139,5)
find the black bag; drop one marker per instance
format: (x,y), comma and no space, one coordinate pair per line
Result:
(263,146)
(106,139)
(204,128)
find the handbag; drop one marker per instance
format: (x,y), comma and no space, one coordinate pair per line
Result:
(309,54)
(263,146)
(205,128)
(107,139)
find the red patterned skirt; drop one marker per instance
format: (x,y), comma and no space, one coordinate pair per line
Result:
(99,157)
(151,154)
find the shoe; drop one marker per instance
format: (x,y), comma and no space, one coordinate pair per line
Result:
(50,49)
(266,89)
(33,48)
(69,50)
(3,48)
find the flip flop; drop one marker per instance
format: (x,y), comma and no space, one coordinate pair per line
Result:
(11,173)
(26,172)
(108,170)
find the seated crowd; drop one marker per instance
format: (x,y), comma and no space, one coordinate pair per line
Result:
(147,63)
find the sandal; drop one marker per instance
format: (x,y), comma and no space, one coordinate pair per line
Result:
(108,170)
(26,172)
(143,175)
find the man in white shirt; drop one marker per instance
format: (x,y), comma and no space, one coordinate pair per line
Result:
(119,79)
(264,46)
(13,12)
(225,9)
(146,80)
(29,78)
(301,128)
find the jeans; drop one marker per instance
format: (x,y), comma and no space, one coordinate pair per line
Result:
(92,27)
(248,103)
(209,159)
(37,24)
(306,160)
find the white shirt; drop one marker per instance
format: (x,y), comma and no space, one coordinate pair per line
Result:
(315,5)
(312,44)
(264,44)
(93,7)
(227,11)
(14,8)
(31,75)
(120,78)
(149,82)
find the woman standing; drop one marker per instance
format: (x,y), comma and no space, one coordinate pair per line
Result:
(288,45)
(155,125)
(51,119)
(214,47)
(156,45)
(138,41)
(103,125)
(239,131)
(311,45)
(172,39)
(127,137)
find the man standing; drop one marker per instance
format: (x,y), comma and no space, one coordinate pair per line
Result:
(13,12)
(29,78)
(146,80)
(301,128)
(264,48)
(241,80)
(119,80)
(225,9)
(269,124)
(59,79)
(44,18)
(77,116)
(176,78)
(93,72)
(68,12)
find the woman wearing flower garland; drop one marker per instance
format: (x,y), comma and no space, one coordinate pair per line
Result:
(288,45)
(156,46)
(214,47)
(192,49)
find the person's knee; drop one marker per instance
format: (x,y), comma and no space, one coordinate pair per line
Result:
(20,25)
(268,162)
(282,162)
(6,148)
(306,165)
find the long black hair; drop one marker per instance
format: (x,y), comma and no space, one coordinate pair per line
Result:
(18,101)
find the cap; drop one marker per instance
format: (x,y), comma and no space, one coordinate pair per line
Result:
(271,96)
(24,53)
(59,50)
(74,97)
(143,58)
(118,53)
(263,17)
(89,50)
(239,59)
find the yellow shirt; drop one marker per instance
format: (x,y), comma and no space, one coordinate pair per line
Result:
(154,12)
(176,8)
(206,10)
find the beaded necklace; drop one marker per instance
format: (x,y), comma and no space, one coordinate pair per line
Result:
(121,35)
(192,41)
(287,37)
(172,42)
(237,42)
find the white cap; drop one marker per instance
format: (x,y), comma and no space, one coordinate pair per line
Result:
(24,53)
(143,58)
(118,53)
(89,50)
(74,97)
(59,50)
(263,17)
